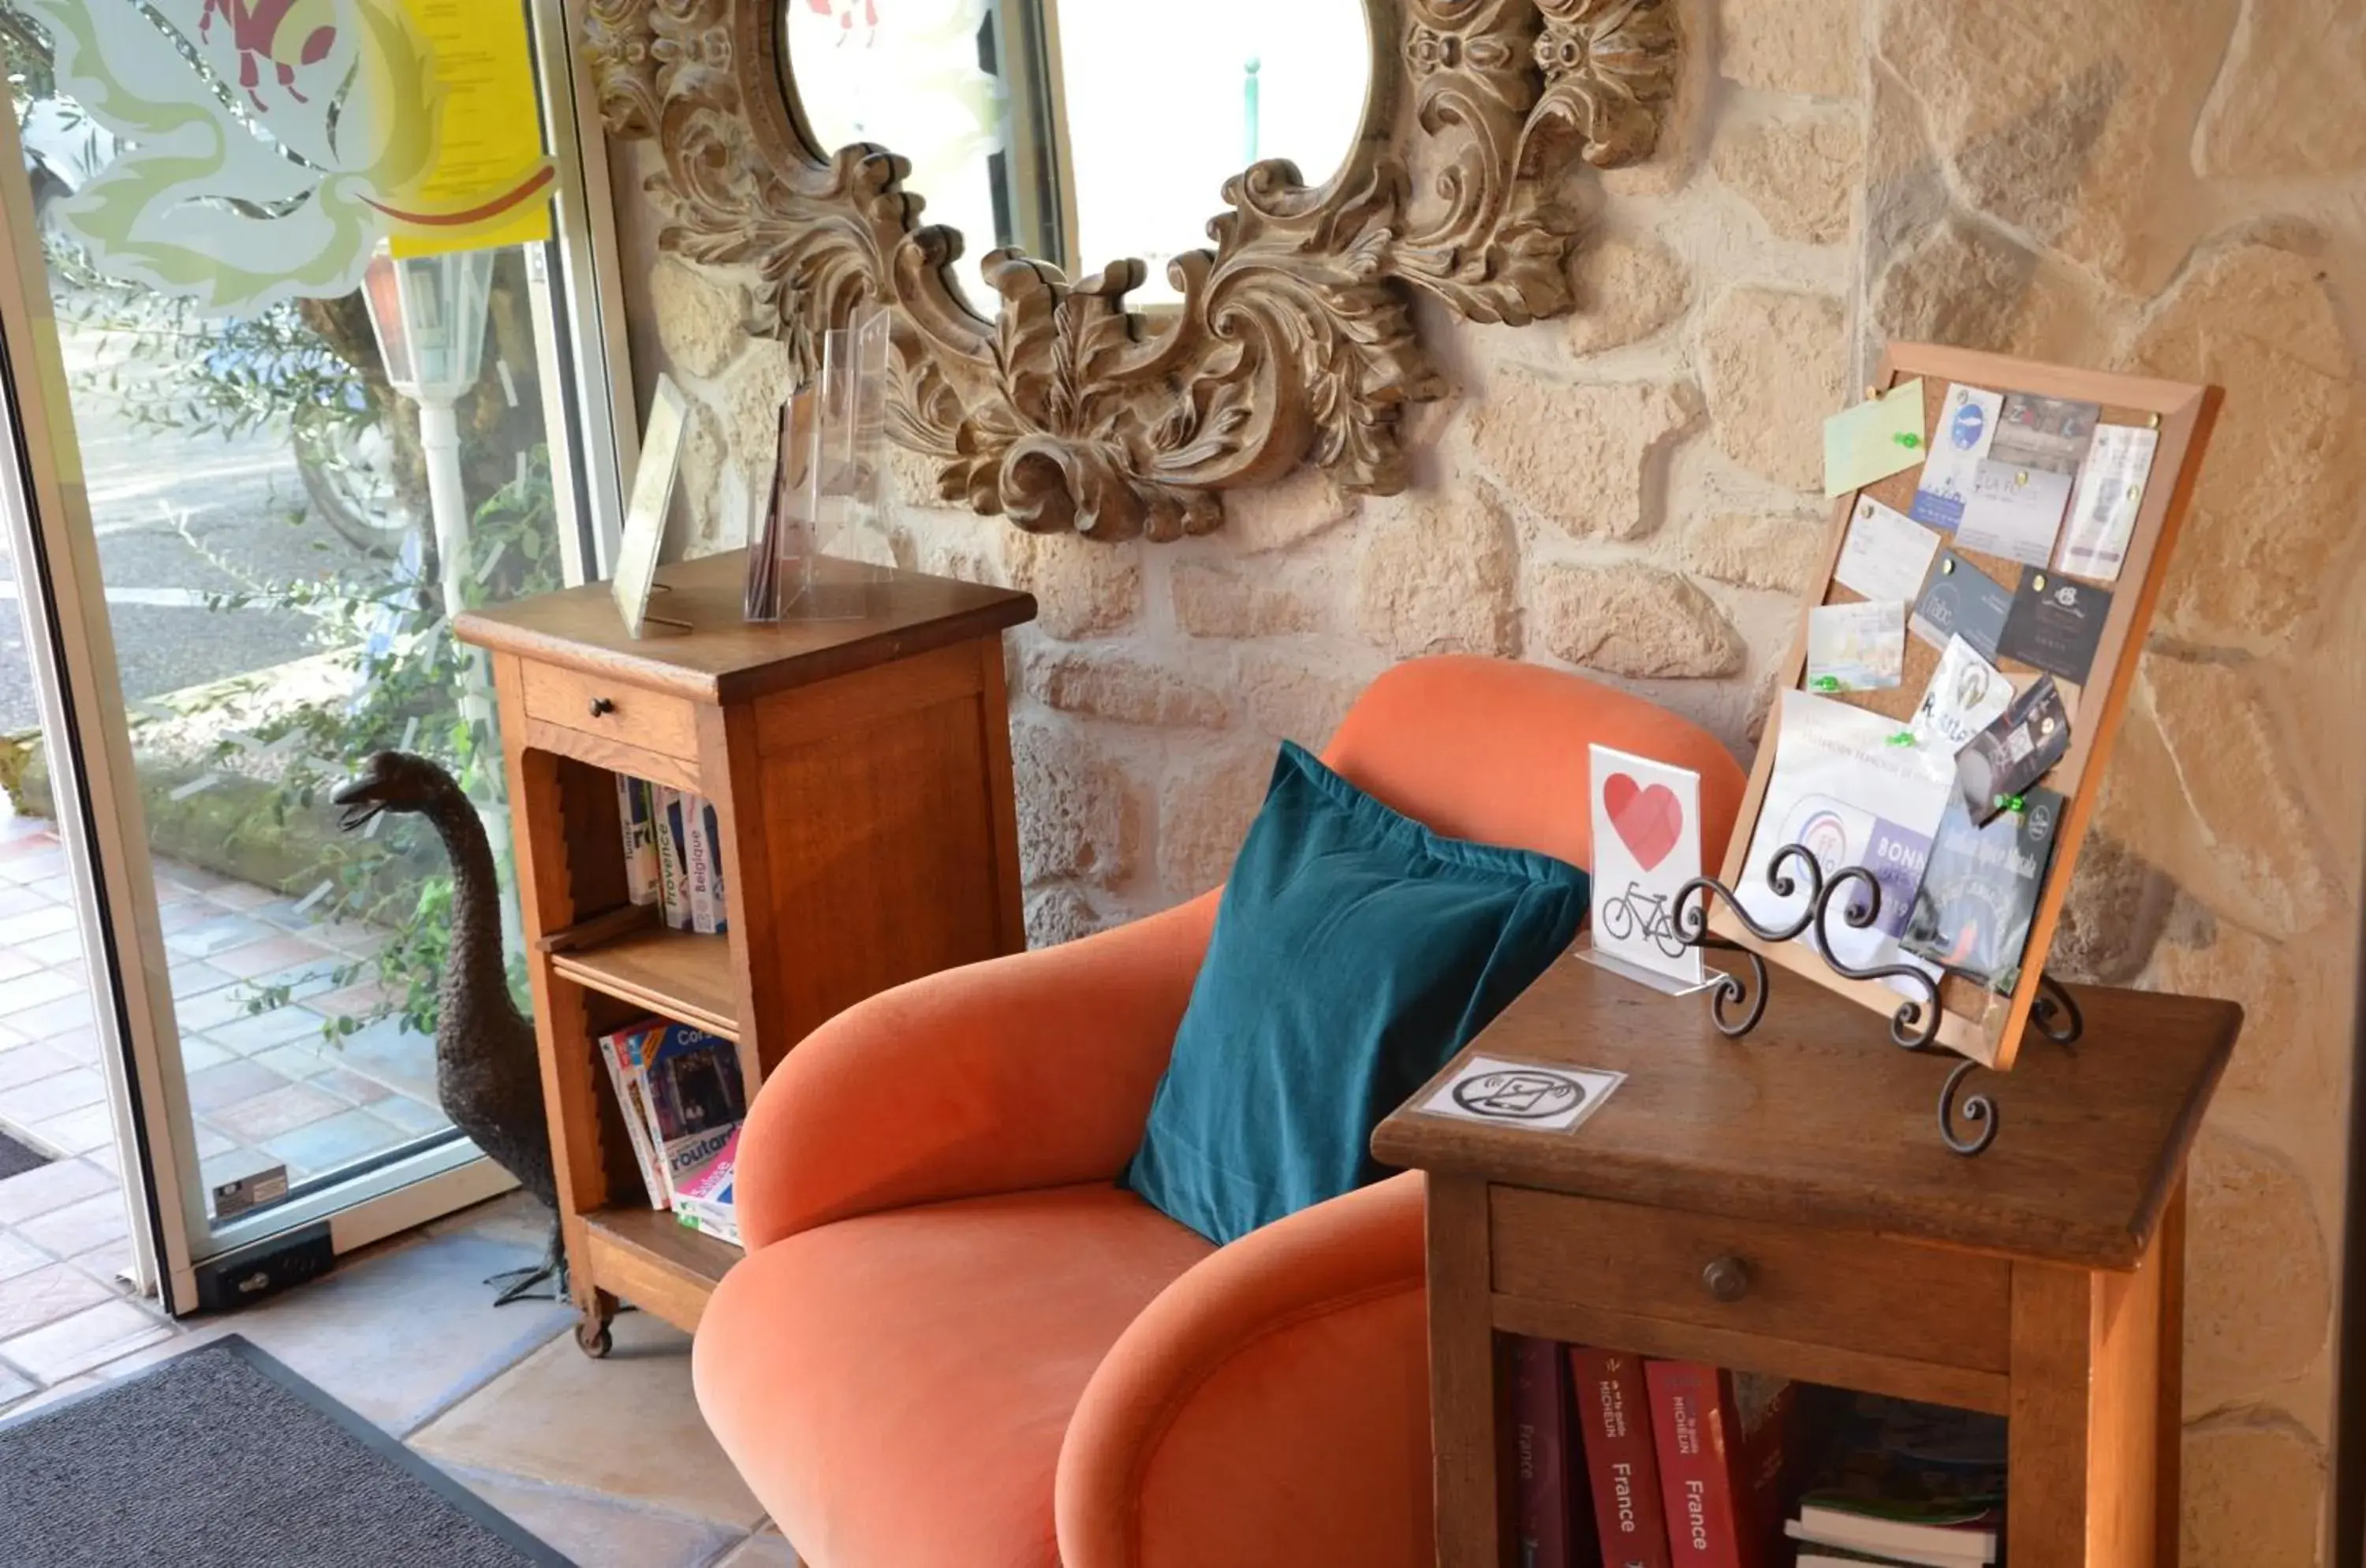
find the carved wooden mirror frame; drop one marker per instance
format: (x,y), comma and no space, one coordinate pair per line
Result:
(1294,341)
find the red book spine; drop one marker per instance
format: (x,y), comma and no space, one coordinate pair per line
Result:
(1614,1423)
(1540,1454)
(1694,1481)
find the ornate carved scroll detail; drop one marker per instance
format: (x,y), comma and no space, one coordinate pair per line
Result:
(1294,342)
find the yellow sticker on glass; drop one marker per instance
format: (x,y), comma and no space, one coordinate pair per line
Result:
(489,183)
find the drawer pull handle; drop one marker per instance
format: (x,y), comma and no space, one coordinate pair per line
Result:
(603,706)
(1726,1279)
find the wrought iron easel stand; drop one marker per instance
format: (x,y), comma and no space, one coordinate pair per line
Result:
(1736,1005)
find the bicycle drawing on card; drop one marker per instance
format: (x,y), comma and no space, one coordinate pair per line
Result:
(1636,911)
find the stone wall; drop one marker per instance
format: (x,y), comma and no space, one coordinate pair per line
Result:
(2174,188)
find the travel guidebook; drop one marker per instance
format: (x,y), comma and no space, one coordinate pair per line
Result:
(673,855)
(683,1098)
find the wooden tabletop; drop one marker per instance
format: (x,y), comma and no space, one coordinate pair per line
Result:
(1816,1119)
(726,659)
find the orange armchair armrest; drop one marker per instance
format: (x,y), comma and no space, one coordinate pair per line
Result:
(1034,1070)
(1270,1408)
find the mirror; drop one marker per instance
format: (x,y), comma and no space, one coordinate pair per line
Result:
(1081,131)
(1403,151)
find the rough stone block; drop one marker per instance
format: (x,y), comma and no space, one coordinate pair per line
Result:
(2277,504)
(1078,815)
(2259,1303)
(1216,600)
(1442,578)
(1083,587)
(1634,620)
(1291,697)
(1629,288)
(2252,1492)
(702,320)
(1801,171)
(1775,366)
(1783,553)
(1125,687)
(1581,455)
(1793,46)
(1204,811)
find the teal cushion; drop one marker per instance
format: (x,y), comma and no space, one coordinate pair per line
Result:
(1354,951)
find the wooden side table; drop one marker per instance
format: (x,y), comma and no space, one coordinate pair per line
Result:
(1782,1204)
(860,770)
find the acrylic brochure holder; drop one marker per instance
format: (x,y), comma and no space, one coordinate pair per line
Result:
(815,558)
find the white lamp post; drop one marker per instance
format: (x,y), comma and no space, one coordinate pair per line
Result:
(429,313)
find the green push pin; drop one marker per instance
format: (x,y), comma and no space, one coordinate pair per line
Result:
(1827,683)
(1903,738)
(1907,440)
(2012,803)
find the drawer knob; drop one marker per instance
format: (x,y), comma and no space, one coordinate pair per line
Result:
(603,706)
(1726,1279)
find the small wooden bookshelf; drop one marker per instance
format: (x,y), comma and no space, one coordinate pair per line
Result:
(859,769)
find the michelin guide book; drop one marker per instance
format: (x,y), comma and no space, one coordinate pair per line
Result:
(1613,1425)
(636,811)
(1724,1441)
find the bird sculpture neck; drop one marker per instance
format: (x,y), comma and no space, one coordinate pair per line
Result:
(477,975)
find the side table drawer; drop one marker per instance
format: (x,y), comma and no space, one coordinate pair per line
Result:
(594,705)
(1847,1291)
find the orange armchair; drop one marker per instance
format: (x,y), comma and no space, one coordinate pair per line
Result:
(956,1343)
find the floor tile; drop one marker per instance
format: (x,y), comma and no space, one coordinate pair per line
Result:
(197,1054)
(89,1338)
(212,1011)
(78,1227)
(80,1043)
(18,1255)
(363,1001)
(255,959)
(769,1549)
(346,1084)
(405,1332)
(297,1059)
(239,895)
(83,1131)
(108,1159)
(417,1119)
(268,1115)
(34,989)
(252,1032)
(61,952)
(517,1218)
(16,900)
(598,1533)
(52,1096)
(53,1018)
(230,1166)
(31,1301)
(54,1394)
(109,1263)
(217,935)
(23,1063)
(194,978)
(12,1389)
(50,1187)
(335,1140)
(214,1088)
(32,924)
(555,1419)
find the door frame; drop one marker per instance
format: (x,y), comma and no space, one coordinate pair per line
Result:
(70,640)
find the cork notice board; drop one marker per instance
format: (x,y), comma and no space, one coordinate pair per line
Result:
(1986,1026)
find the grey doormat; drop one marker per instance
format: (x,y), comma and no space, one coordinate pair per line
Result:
(16,1159)
(222,1457)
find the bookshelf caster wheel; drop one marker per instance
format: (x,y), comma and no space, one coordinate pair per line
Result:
(592,1338)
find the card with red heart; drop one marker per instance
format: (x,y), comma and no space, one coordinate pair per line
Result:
(1646,846)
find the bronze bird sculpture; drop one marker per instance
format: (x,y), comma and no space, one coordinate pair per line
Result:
(488,1071)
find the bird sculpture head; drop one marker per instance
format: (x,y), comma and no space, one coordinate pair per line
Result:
(393,781)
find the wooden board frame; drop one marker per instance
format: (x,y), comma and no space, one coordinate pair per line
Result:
(1977,1023)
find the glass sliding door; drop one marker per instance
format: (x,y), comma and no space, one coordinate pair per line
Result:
(304,410)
